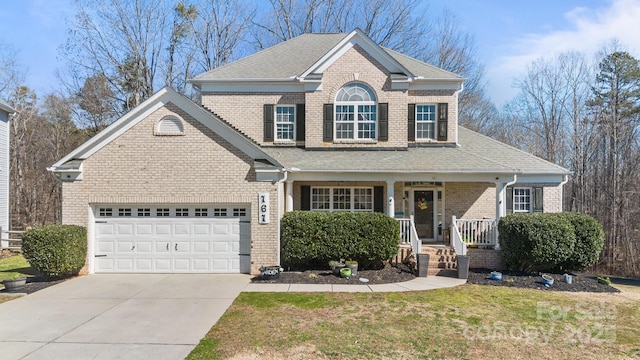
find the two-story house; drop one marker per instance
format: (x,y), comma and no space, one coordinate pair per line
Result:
(322,122)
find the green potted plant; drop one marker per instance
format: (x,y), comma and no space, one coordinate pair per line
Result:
(353,265)
(14,281)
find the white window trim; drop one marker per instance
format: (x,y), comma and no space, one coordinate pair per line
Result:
(275,123)
(530,199)
(352,200)
(434,122)
(356,121)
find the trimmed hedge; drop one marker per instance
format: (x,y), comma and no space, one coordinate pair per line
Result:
(56,251)
(536,242)
(589,241)
(312,239)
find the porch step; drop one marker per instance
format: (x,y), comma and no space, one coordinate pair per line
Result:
(443,260)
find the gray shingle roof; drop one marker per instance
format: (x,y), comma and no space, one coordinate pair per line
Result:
(476,154)
(6,107)
(293,57)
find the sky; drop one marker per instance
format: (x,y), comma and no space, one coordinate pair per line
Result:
(509,34)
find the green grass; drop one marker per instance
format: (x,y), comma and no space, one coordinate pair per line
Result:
(14,266)
(468,321)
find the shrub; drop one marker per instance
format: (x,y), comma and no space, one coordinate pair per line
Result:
(311,239)
(56,250)
(589,241)
(536,242)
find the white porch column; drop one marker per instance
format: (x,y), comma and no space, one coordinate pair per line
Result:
(391,211)
(501,206)
(289,201)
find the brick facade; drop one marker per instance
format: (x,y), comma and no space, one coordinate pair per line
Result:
(245,110)
(199,167)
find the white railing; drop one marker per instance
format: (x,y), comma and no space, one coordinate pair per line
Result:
(477,232)
(456,239)
(409,235)
(11,239)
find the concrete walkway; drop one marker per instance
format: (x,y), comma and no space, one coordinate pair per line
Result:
(417,284)
(116,316)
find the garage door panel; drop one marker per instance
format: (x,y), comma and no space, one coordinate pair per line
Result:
(144,247)
(151,241)
(144,229)
(163,229)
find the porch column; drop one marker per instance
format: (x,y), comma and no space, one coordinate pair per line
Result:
(391,211)
(289,200)
(501,206)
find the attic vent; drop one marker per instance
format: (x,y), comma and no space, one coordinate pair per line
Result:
(170,126)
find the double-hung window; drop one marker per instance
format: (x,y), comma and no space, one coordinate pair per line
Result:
(426,122)
(355,113)
(521,199)
(285,122)
(342,199)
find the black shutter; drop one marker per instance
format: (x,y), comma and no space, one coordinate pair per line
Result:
(378,199)
(537,199)
(411,116)
(327,123)
(383,122)
(305,198)
(268,122)
(509,200)
(300,118)
(443,116)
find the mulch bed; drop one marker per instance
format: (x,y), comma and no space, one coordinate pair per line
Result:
(386,275)
(33,284)
(399,273)
(532,281)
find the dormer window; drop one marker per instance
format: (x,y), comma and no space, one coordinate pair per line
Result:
(355,112)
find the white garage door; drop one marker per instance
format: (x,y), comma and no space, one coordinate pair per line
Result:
(172,239)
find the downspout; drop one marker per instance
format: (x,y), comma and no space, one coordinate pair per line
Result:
(566,180)
(502,206)
(278,183)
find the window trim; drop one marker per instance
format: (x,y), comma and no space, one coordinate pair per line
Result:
(434,122)
(351,200)
(276,123)
(373,102)
(530,203)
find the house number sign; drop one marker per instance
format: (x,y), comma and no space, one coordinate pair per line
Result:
(263,205)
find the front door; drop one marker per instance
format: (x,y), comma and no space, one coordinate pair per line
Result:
(424,210)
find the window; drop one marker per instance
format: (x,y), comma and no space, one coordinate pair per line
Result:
(285,122)
(203,212)
(144,212)
(105,212)
(182,212)
(162,212)
(239,212)
(355,112)
(124,212)
(521,199)
(219,212)
(342,199)
(426,122)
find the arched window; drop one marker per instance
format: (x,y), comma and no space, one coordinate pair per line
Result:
(170,126)
(355,112)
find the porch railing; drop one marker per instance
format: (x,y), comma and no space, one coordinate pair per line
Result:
(477,232)
(456,239)
(409,235)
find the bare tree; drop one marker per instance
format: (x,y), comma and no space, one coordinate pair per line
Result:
(123,40)
(11,72)
(387,22)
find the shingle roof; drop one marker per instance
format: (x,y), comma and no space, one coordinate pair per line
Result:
(292,58)
(6,107)
(476,154)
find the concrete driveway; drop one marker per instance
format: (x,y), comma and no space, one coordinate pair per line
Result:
(127,316)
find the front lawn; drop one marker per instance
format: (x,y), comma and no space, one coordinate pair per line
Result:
(469,321)
(11,267)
